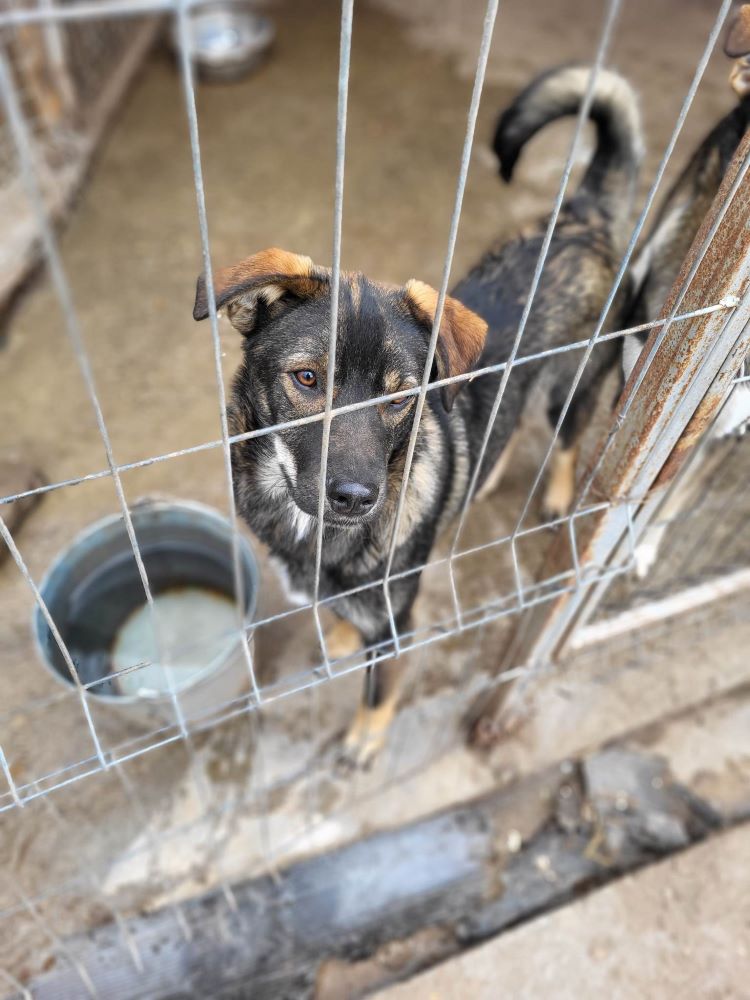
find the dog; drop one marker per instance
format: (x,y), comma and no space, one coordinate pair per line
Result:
(656,268)
(281,302)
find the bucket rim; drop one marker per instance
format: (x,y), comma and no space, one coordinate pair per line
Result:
(140,507)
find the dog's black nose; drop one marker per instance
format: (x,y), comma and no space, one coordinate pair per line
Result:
(351,499)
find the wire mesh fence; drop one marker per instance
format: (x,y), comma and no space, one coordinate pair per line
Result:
(486,580)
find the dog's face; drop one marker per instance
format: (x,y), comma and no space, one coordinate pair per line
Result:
(281,303)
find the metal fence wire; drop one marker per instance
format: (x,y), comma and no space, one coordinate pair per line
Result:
(584,552)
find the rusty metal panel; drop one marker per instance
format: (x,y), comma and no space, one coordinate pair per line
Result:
(682,378)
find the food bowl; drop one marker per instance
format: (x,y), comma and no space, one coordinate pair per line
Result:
(227,39)
(137,662)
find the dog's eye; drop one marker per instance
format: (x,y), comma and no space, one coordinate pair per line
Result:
(307,378)
(400,402)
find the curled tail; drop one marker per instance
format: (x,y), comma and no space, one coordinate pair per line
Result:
(613,171)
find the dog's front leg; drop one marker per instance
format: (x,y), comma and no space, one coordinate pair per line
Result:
(342,640)
(383,679)
(369,729)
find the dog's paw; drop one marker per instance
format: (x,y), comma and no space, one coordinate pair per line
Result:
(365,738)
(561,485)
(553,512)
(358,753)
(558,499)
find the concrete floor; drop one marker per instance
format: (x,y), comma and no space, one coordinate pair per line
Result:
(677,929)
(131,251)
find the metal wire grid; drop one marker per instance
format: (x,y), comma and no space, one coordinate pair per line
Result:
(706,540)
(610,664)
(474,618)
(524,595)
(32,907)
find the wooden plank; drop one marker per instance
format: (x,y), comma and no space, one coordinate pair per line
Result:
(656,612)
(19,252)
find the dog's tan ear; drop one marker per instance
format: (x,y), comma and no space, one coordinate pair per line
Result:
(461,338)
(266,276)
(737,41)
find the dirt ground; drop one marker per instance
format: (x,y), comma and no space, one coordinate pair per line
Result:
(261,789)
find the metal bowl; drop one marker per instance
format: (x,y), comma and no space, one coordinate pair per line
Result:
(227,40)
(94,588)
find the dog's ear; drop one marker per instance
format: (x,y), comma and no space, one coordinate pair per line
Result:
(461,337)
(266,276)
(737,41)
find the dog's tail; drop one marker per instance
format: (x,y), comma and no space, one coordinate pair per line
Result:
(613,171)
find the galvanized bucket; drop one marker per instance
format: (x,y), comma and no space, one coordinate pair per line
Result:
(94,586)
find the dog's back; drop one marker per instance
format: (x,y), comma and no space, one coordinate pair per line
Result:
(582,258)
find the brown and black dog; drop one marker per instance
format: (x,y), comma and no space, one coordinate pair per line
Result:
(281,304)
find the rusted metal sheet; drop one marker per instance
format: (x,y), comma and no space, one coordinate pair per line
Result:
(661,402)
(683,376)
(705,414)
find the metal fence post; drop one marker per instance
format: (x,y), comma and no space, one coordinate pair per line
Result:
(682,378)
